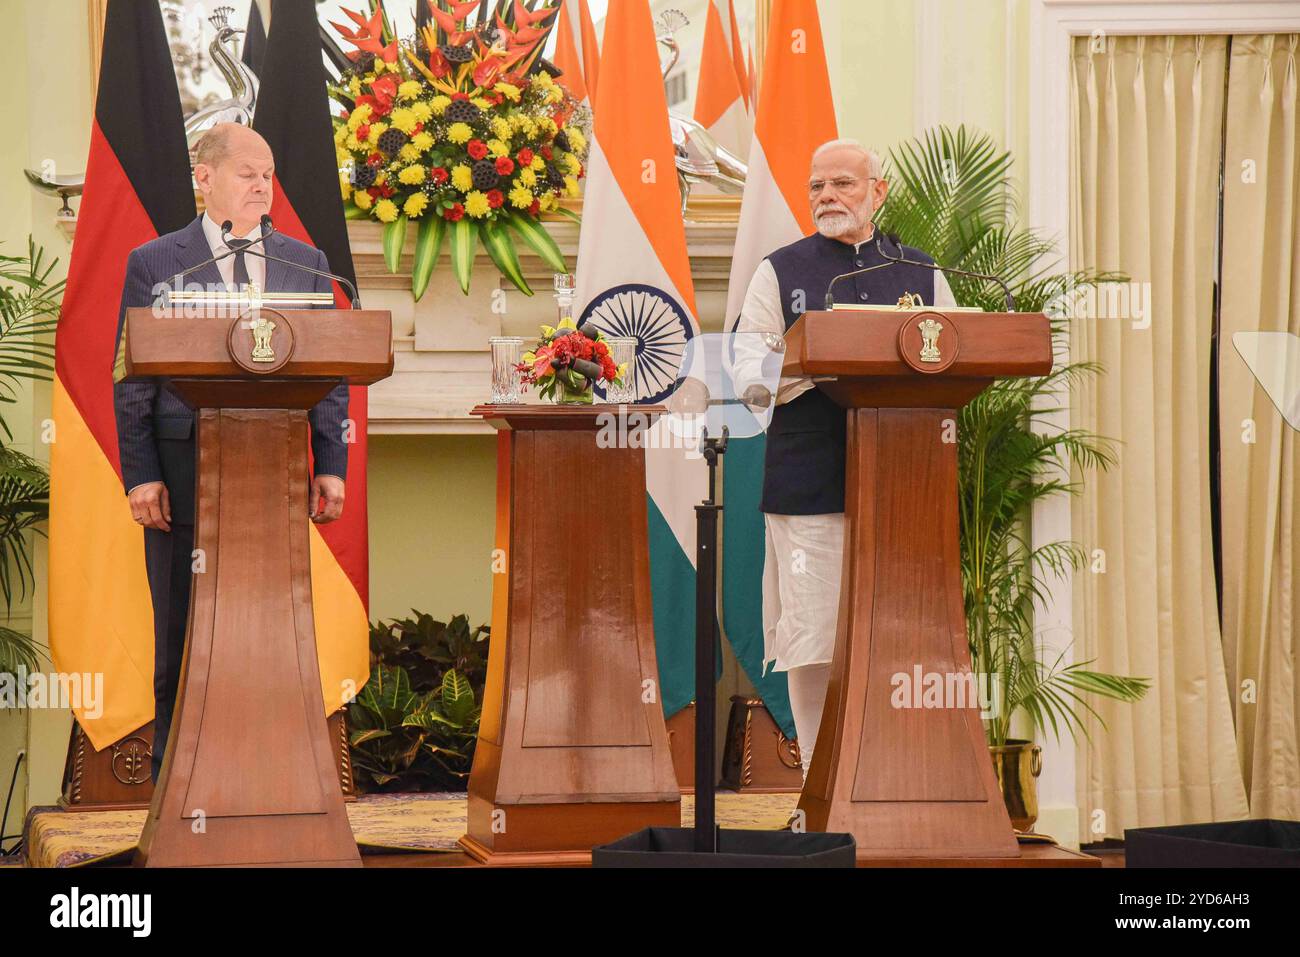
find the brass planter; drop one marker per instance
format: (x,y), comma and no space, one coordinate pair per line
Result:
(1017,765)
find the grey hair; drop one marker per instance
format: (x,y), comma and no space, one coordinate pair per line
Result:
(215,145)
(874,167)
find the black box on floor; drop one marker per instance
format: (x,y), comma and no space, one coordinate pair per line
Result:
(1258,843)
(675,847)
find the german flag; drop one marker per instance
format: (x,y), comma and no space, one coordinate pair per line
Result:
(137,188)
(293,116)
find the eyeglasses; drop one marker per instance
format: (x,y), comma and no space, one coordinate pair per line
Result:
(842,184)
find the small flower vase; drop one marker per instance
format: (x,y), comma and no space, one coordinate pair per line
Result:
(566,393)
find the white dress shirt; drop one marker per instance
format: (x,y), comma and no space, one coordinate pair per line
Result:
(256,264)
(762,312)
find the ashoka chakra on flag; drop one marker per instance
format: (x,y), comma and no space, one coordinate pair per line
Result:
(658,323)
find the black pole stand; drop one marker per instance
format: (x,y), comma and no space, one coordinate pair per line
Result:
(706,643)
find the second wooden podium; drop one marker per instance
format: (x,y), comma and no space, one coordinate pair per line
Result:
(228,797)
(911,783)
(572,749)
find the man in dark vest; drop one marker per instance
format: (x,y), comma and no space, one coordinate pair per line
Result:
(803,478)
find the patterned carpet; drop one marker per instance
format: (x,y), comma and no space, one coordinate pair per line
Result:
(381,823)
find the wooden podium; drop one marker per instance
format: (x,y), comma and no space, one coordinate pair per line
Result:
(910,783)
(572,749)
(227,797)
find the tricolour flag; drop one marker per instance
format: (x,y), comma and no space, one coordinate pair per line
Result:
(137,188)
(570,49)
(720,96)
(774,212)
(738,54)
(634,278)
(293,116)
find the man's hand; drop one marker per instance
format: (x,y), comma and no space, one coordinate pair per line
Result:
(150,506)
(756,397)
(326,499)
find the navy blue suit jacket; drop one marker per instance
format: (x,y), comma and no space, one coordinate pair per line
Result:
(155,428)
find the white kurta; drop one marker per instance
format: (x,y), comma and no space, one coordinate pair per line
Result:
(804,554)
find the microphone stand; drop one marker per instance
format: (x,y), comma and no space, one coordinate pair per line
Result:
(706,638)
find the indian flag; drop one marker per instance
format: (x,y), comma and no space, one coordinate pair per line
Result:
(634,279)
(720,99)
(774,213)
(577,53)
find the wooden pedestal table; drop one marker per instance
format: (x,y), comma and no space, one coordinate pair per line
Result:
(572,750)
(227,797)
(907,782)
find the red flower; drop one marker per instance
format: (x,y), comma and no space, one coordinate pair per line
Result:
(525,156)
(438,175)
(387,190)
(344,115)
(460,96)
(363,132)
(495,198)
(419,128)
(374,192)
(534,209)
(505,165)
(454,214)
(546,152)
(477,149)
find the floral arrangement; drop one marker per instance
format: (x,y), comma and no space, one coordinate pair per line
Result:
(567,363)
(461,130)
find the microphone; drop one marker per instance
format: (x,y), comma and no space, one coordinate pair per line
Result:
(1006,290)
(225,228)
(268,230)
(892,260)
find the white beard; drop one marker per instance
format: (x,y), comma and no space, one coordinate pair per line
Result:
(835,224)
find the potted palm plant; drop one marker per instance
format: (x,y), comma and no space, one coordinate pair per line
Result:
(951,195)
(29,308)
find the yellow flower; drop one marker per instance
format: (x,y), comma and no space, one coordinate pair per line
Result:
(376,130)
(521,198)
(459,133)
(411,176)
(501,127)
(408,153)
(543,80)
(549,202)
(403,119)
(386,211)
(358,116)
(354,87)
(571,185)
(547,125)
(496,148)
(345,184)
(572,163)
(362,199)
(422,141)
(341,134)
(415,204)
(538,162)
(481,103)
(422,110)
(476,204)
(527,177)
(576,140)
(341,155)
(354,143)
(508,90)
(554,95)
(410,89)
(462,178)
(439,105)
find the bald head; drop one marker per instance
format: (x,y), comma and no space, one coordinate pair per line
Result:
(845,188)
(235,170)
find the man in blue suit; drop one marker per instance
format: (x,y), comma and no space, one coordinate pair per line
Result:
(156,431)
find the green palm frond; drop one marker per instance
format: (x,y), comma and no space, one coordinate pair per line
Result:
(951,195)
